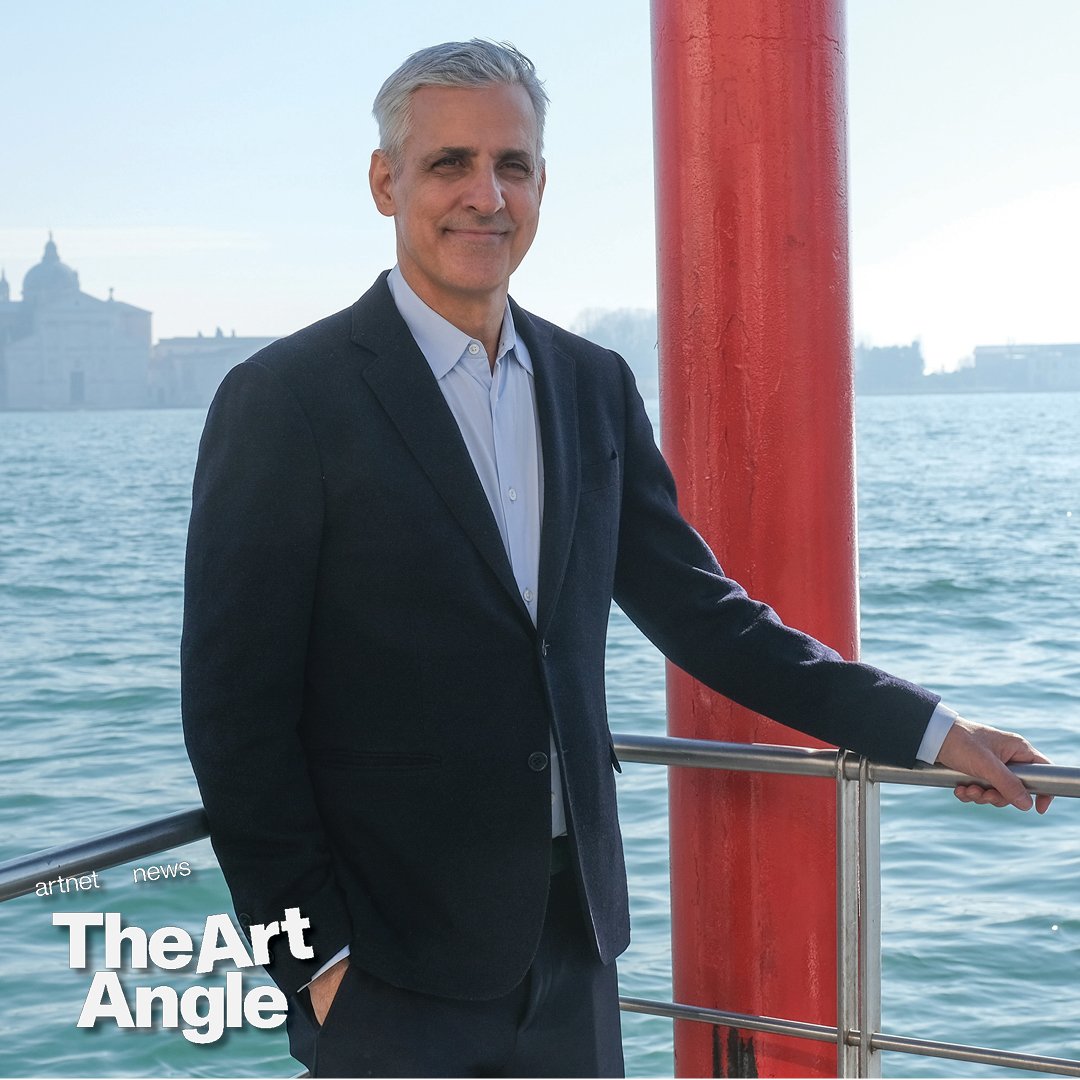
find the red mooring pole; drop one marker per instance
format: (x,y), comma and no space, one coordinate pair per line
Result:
(757,421)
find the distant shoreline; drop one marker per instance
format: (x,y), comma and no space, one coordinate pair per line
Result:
(942,391)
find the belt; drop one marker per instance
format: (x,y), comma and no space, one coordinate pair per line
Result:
(560,854)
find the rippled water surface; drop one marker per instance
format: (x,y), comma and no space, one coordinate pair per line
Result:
(970,549)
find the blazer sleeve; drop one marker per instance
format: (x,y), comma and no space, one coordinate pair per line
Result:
(669,583)
(252,560)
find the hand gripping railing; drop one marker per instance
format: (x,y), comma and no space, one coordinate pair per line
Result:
(858,948)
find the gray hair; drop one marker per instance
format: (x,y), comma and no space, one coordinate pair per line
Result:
(475,63)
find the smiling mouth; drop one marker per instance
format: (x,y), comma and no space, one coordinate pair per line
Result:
(478,234)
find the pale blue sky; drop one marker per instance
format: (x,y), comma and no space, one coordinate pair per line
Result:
(209,159)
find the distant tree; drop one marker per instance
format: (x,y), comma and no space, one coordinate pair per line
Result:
(631,332)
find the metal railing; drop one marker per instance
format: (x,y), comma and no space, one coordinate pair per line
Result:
(20,876)
(858,947)
(858,960)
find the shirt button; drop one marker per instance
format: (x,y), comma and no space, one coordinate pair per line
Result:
(538,762)
(543,648)
(513,494)
(473,348)
(528,594)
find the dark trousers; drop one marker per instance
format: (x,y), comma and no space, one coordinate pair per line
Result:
(561,1020)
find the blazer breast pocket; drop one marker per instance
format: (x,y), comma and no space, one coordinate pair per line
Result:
(599,474)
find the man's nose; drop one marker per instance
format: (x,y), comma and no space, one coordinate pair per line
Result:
(485,194)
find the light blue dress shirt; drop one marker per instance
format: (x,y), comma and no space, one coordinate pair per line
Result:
(495,410)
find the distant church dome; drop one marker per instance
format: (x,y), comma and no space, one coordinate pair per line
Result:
(50,278)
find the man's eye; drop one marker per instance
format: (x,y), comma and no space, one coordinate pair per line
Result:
(522,167)
(447,163)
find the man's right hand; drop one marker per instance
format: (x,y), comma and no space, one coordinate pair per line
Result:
(323,990)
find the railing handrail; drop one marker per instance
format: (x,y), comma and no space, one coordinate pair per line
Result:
(773,1025)
(801,760)
(21,875)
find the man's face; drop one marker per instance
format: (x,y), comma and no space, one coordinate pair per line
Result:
(465,194)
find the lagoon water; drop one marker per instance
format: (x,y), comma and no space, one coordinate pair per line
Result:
(970,572)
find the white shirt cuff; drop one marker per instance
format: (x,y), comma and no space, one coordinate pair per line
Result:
(340,955)
(941,722)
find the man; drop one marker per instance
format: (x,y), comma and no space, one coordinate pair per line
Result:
(409,522)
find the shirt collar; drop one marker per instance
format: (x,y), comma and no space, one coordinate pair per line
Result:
(442,343)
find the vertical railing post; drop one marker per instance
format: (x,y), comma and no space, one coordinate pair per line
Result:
(858,920)
(869,920)
(847,920)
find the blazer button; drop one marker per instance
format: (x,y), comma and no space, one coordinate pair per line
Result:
(538,762)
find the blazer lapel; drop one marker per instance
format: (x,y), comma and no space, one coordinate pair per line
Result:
(401,379)
(557,412)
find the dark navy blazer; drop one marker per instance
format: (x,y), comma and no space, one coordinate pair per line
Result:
(366,700)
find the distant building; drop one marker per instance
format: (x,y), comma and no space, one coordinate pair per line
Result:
(897,369)
(888,369)
(185,371)
(1027,367)
(61,348)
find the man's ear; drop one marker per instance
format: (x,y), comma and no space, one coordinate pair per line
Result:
(543,180)
(381,180)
